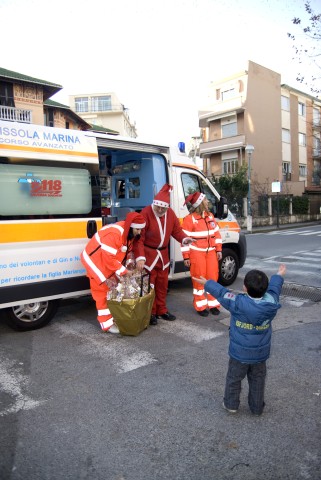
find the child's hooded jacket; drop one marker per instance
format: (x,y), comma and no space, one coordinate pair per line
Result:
(250,326)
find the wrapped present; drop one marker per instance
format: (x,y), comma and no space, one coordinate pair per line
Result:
(126,287)
(130,301)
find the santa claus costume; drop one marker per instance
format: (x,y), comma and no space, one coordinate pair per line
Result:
(161,224)
(105,255)
(202,255)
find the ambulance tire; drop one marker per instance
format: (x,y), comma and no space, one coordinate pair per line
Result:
(229,267)
(31,316)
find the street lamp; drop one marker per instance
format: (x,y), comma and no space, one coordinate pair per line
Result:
(249,150)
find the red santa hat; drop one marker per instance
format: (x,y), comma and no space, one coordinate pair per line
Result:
(133,220)
(195,199)
(162,199)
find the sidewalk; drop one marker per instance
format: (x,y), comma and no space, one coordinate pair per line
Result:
(270,228)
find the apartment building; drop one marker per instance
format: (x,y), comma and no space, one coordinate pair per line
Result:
(253,107)
(103,110)
(28,100)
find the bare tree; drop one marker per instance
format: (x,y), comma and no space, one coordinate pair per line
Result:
(307,46)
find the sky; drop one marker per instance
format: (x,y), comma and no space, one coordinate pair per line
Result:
(159,57)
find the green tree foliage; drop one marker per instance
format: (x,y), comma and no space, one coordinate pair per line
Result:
(300,205)
(234,188)
(282,204)
(307,46)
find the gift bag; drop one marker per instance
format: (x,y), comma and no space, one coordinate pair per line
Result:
(132,315)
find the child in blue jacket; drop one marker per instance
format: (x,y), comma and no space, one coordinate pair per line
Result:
(250,334)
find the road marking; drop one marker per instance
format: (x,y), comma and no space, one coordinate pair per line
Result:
(302,257)
(293,232)
(13,384)
(298,266)
(316,253)
(295,257)
(122,352)
(125,356)
(192,332)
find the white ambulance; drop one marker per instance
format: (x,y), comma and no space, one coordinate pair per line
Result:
(58,187)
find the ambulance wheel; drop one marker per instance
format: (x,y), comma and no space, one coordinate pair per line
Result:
(31,316)
(229,267)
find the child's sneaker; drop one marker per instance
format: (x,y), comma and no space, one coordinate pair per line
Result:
(229,409)
(113,329)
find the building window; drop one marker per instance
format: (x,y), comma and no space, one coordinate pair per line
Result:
(302,139)
(101,104)
(229,167)
(49,118)
(302,170)
(226,94)
(229,126)
(229,130)
(81,104)
(316,147)
(286,167)
(286,136)
(6,94)
(286,170)
(301,109)
(316,116)
(285,103)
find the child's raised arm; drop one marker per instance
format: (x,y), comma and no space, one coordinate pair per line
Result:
(282,270)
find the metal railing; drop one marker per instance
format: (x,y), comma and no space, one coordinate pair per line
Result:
(12,114)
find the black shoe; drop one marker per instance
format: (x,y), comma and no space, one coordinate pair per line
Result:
(203,313)
(214,311)
(153,320)
(167,316)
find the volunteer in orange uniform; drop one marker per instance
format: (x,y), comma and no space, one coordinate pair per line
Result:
(161,224)
(203,255)
(105,254)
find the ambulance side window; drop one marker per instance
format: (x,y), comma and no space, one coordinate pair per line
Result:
(190,183)
(210,197)
(194,183)
(33,190)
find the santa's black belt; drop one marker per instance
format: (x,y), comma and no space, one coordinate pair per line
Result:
(203,238)
(156,248)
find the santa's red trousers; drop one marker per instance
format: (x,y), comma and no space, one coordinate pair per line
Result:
(159,278)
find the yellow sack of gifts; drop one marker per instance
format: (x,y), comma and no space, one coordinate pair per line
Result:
(132,315)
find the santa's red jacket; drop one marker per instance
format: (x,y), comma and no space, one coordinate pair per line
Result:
(156,236)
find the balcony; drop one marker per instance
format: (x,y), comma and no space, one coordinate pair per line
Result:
(220,110)
(222,145)
(316,153)
(12,114)
(287,177)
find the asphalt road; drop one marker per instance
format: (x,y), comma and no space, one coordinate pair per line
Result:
(298,248)
(79,404)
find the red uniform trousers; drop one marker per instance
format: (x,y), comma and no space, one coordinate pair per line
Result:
(159,278)
(203,264)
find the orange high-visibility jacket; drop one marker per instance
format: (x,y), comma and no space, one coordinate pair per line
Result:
(204,230)
(105,252)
